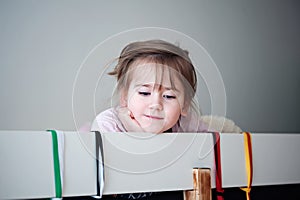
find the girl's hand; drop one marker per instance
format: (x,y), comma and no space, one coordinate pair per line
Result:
(128,120)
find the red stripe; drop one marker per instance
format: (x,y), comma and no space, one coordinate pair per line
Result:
(217,152)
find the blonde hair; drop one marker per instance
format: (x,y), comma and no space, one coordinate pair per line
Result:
(157,51)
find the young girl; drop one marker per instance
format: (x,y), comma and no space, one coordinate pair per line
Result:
(156,86)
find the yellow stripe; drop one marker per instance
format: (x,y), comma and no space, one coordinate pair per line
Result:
(247,143)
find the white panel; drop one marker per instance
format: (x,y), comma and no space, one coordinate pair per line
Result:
(148,162)
(233,160)
(80,164)
(26,168)
(276,158)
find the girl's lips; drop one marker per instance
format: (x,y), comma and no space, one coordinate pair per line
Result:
(154,117)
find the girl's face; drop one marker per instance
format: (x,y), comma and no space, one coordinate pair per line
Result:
(155,97)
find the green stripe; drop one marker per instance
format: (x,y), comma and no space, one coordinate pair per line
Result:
(58,188)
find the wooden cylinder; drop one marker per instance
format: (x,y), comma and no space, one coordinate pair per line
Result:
(202,185)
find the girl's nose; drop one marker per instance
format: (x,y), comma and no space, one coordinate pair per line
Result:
(156,102)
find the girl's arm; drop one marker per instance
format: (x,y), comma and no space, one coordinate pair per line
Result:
(108,121)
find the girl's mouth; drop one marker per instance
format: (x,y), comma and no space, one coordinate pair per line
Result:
(154,117)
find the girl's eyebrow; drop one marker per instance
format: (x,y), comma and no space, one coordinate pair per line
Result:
(150,86)
(142,85)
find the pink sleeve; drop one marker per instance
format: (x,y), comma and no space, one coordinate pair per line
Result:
(107,121)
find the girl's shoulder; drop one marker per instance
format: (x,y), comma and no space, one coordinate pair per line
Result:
(191,123)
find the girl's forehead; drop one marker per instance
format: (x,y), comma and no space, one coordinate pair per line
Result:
(154,73)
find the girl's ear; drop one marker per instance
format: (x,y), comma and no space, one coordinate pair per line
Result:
(184,110)
(123,99)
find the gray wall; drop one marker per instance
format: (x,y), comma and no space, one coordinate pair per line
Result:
(255,45)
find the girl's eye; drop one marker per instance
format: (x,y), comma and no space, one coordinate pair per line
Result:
(169,96)
(144,93)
